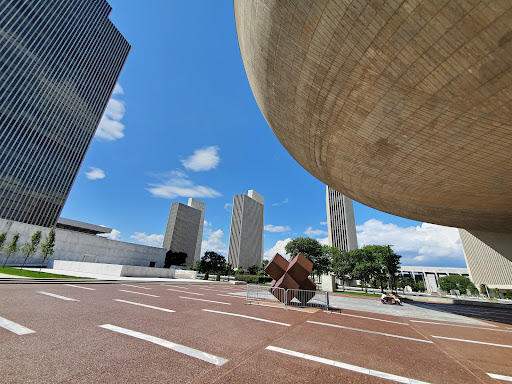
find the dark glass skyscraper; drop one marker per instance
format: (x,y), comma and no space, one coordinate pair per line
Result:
(59,63)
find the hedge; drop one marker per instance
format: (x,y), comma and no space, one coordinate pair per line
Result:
(253,278)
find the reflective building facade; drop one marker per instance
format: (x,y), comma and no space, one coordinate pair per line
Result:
(59,63)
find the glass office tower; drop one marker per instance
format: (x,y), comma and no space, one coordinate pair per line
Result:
(59,63)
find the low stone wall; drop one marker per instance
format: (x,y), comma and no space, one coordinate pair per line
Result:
(122,270)
(449,300)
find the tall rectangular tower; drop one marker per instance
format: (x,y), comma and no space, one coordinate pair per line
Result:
(341,223)
(184,230)
(59,63)
(246,233)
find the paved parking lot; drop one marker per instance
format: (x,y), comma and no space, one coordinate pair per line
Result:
(129,333)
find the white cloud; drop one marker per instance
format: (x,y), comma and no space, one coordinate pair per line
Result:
(95,173)
(277,248)
(207,224)
(277,228)
(323,223)
(178,184)
(285,201)
(228,207)
(114,235)
(314,232)
(214,242)
(324,241)
(153,239)
(111,127)
(118,90)
(203,159)
(428,244)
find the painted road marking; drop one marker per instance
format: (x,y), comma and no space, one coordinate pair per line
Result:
(57,296)
(220,294)
(247,317)
(373,332)
(209,301)
(168,344)
(349,367)
(138,293)
(280,306)
(458,325)
(77,286)
(144,305)
(500,377)
(473,341)
(135,286)
(372,318)
(208,289)
(14,327)
(190,293)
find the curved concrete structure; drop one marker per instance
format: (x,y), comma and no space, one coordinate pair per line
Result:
(405,108)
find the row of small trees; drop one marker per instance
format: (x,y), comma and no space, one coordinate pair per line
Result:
(30,248)
(374,265)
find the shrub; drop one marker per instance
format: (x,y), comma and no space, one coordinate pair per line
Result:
(508,295)
(239,271)
(218,277)
(206,275)
(254,279)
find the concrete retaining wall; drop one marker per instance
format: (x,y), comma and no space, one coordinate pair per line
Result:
(448,300)
(77,246)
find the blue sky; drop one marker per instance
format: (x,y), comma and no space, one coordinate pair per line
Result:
(183,122)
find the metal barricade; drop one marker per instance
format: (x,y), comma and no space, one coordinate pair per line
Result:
(288,297)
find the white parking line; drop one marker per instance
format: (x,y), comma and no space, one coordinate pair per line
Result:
(349,367)
(209,301)
(77,286)
(57,296)
(220,294)
(459,325)
(14,327)
(500,377)
(138,293)
(372,318)
(247,317)
(373,332)
(168,344)
(190,293)
(144,305)
(473,341)
(135,286)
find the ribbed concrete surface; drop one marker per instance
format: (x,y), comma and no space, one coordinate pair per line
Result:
(404,106)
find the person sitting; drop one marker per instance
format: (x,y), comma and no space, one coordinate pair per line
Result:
(384,298)
(396,299)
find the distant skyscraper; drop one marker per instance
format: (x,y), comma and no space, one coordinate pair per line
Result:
(340,220)
(59,63)
(246,233)
(184,230)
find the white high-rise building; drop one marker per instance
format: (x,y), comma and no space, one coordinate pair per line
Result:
(341,223)
(184,230)
(246,233)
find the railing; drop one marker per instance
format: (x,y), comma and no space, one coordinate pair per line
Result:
(289,297)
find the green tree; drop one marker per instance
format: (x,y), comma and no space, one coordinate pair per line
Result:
(508,295)
(3,236)
(212,262)
(174,258)
(264,264)
(497,292)
(420,286)
(240,271)
(12,248)
(253,270)
(30,247)
(389,265)
(483,289)
(404,282)
(342,265)
(366,266)
(472,288)
(47,248)
(312,250)
(454,282)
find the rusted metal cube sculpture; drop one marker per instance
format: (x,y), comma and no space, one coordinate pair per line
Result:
(291,276)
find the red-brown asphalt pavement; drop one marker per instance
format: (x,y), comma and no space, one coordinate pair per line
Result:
(69,346)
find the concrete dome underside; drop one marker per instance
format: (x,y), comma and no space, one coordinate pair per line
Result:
(403,107)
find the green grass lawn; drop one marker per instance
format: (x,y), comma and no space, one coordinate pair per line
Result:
(23,272)
(358,293)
